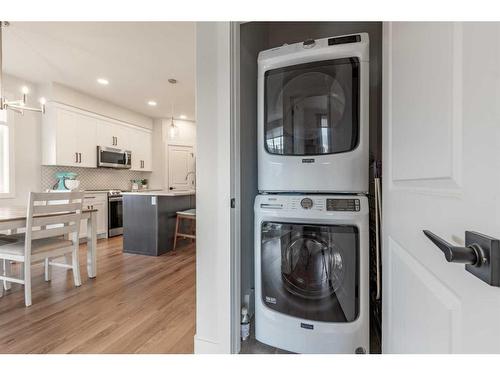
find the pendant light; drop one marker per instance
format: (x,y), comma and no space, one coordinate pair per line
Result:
(173,130)
(19,105)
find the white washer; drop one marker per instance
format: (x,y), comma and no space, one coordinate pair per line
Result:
(311,273)
(313,116)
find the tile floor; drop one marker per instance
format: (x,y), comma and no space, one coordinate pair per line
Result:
(252,346)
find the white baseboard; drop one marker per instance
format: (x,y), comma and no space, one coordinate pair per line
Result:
(202,346)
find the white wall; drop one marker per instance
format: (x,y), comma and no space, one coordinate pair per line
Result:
(213,175)
(63,94)
(27,147)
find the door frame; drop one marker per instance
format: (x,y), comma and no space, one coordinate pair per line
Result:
(218,253)
(235,189)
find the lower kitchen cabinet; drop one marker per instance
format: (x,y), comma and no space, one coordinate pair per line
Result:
(97,201)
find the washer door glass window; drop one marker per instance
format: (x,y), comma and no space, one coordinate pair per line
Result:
(313,108)
(310,271)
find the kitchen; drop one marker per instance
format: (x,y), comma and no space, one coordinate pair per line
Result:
(116,140)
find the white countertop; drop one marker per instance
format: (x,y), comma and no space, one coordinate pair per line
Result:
(98,191)
(165,193)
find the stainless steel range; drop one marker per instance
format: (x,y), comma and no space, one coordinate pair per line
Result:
(115,213)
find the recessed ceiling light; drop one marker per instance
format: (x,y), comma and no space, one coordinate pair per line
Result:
(152,103)
(102,81)
(183,117)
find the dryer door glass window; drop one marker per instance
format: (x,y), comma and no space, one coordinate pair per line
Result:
(310,271)
(313,108)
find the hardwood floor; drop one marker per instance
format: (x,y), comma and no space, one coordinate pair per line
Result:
(137,304)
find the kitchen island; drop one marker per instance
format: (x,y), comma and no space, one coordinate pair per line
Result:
(149,220)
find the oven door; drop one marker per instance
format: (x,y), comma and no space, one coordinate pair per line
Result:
(313,108)
(311,271)
(113,158)
(115,216)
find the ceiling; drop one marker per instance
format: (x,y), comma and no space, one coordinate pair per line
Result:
(137,58)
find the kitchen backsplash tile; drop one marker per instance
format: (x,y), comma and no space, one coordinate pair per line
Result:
(94,178)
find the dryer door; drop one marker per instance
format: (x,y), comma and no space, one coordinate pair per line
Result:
(311,271)
(312,108)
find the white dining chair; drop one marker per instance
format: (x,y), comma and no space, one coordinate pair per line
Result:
(52,231)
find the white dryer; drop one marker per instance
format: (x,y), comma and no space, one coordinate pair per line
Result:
(313,116)
(311,273)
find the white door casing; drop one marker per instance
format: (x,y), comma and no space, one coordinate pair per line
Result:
(181,162)
(441,135)
(215,263)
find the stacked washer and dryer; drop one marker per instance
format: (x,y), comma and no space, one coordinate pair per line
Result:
(311,214)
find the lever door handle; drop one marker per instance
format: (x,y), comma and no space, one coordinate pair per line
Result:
(481,255)
(471,254)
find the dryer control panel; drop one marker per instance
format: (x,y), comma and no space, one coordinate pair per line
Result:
(342,204)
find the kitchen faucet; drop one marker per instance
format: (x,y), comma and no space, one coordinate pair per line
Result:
(194,175)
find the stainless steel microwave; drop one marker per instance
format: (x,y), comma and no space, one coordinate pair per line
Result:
(110,157)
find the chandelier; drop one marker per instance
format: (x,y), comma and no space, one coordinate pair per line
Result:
(18,105)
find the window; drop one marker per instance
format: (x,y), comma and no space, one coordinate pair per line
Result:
(6,157)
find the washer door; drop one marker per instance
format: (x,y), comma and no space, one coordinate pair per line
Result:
(313,108)
(310,271)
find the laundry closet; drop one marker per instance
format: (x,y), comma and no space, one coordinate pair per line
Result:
(310,149)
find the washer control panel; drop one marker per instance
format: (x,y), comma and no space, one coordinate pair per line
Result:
(311,203)
(342,204)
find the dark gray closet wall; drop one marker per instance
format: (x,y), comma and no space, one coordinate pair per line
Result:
(253,39)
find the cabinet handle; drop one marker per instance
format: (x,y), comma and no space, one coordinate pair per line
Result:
(76,157)
(80,157)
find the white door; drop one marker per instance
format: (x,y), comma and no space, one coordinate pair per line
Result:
(181,167)
(441,142)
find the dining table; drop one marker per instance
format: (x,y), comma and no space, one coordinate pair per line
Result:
(12,219)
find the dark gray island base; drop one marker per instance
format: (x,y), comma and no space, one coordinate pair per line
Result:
(149,221)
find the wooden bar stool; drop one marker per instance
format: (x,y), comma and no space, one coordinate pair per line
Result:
(185,215)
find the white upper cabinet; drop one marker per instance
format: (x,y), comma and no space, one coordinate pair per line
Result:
(111,134)
(86,136)
(70,138)
(142,159)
